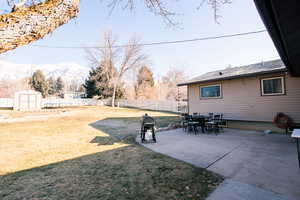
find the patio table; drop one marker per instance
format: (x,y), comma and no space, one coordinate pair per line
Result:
(201,120)
(296,134)
(192,126)
(199,116)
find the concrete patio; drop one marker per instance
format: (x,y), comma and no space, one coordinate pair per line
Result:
(255,165)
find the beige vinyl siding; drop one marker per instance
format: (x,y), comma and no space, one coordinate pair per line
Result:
(242,99)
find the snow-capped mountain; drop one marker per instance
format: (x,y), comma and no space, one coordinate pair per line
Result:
(68,71)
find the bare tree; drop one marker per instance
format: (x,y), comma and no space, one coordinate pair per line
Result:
(31,20)
(9,86)
(115,61)
(131,59)
(170,81)
(215,5)
(103,60)
(105,57)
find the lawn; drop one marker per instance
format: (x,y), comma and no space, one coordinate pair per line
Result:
(90,153)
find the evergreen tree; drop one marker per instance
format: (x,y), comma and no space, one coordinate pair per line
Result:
(59,86)
(39,83)
(99,82)
(52,86)
(145,83)
(90,84)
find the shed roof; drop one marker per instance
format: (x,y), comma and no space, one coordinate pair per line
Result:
(261,68)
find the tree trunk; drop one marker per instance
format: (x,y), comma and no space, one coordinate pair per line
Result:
(116,83)
(26,25)
(114,95)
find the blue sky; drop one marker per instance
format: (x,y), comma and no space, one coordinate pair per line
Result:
(195,58)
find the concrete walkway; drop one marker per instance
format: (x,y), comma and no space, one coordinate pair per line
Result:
(236,190)
(256,166)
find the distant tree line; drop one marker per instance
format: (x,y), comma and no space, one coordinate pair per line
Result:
(144,88)
(100,84)
(55,86)
(106,79)
(109,66)
(50,86)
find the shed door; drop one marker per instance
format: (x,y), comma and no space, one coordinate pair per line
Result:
(24,104)
(32,101)
(28,102)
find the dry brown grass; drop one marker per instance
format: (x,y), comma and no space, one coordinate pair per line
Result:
(34,143)
(9,113)
(81,156)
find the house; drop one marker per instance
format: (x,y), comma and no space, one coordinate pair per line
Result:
(252,93)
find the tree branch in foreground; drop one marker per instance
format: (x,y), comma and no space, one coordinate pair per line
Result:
(28,24)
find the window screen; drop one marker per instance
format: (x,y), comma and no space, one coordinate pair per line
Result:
(210,91)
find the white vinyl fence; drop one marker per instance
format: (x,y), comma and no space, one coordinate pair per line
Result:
(55,103)
(6,102)
(172,106)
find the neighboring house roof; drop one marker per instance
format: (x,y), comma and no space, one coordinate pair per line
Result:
(238,72)
(281,18)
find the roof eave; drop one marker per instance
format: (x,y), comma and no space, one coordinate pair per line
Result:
(281,19)
(235,77)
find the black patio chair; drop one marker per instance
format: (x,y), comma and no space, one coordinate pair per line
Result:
(184,121)
(201,123)
(188,124)
(210,116)
(193,126)
(222,123)
(148,123)
(213,125)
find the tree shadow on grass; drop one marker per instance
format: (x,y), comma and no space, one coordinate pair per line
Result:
(125,129)
(130,172)
(103,140)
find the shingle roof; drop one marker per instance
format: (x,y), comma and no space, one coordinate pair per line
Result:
(237,72)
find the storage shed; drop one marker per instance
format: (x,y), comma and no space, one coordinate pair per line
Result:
(27,100)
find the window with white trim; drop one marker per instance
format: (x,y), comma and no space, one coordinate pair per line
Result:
(210,91)
(272,86)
